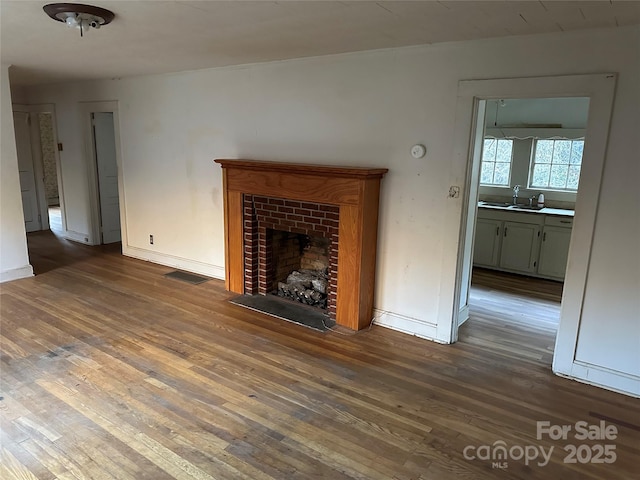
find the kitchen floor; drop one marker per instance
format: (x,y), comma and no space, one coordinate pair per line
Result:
(513,313)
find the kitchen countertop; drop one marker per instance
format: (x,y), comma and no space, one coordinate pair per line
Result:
(545,211)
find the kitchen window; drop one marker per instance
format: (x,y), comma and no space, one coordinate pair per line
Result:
(556,164)
(497,154)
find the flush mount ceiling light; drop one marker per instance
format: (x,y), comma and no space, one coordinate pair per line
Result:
(78,15)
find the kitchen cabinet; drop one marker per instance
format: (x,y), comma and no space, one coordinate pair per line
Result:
(520,244)
(530,243)
(554,248)
(486,249)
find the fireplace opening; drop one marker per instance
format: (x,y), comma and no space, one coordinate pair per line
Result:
(300,267)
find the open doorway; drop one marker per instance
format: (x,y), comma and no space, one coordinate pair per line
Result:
(38,159)
(50,177)
(530,162)
(473,96)
(102,143)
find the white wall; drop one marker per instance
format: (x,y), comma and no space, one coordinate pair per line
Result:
(359,109)
(610,329)
(14,260)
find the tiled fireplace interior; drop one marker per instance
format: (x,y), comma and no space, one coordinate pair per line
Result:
(269,223)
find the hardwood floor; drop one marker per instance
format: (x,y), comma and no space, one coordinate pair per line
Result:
(527,308)
(111,371)
(55,220)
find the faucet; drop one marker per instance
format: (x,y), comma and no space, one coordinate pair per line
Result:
(516,189)
(531,199)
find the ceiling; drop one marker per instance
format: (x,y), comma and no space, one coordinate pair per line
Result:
(149,37)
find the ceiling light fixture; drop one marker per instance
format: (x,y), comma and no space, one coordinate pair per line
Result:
(78,15)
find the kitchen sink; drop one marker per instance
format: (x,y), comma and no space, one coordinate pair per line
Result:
(511,206)
(526,207)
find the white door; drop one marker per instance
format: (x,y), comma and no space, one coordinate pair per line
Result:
(105,148)
(26,168)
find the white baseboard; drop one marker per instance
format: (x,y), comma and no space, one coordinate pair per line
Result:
(463,315)
(77,237)
(186,264)
(405,324)
(602,377)
(16,273)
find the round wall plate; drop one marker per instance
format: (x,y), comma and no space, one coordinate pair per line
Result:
(418,151)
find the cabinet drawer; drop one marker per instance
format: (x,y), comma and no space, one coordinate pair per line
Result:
(558,221)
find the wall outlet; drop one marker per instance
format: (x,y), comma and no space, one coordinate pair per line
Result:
(150,239)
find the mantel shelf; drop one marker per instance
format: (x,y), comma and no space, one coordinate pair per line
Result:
(303,168)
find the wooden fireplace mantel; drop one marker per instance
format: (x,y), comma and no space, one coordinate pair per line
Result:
(355,190)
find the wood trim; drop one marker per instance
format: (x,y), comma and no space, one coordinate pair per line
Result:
(349,307)
(235,243)
(225,207)
(303,168)
(294,186)
(354,190)
(368,252)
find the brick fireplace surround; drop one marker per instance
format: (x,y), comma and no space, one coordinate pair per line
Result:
(339,203)
(262,215)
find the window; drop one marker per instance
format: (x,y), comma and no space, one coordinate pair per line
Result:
(496,162)
(556,164)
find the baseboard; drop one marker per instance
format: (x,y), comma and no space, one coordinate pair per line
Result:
(16,273)
(77,237)
(405,324)
(185,264)
(463,315)
(602,377)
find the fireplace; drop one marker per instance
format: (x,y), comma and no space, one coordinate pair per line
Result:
(339,204)
(275,231)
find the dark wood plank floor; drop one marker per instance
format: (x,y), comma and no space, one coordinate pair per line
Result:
(111,371)
(513,314)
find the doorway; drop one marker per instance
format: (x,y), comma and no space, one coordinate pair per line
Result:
(102,142)
(530,162)
(470,112)
(27,167)
(50,177)
(39,166)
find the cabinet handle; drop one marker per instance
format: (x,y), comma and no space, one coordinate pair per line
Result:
(544,237)
(505,231)
(497,231)
(565,221)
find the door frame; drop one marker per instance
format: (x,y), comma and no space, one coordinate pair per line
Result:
(51,109)
(38,166)
(472,94)
(86,109)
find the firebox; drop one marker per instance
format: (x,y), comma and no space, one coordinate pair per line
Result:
(300,267)
(291,250)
